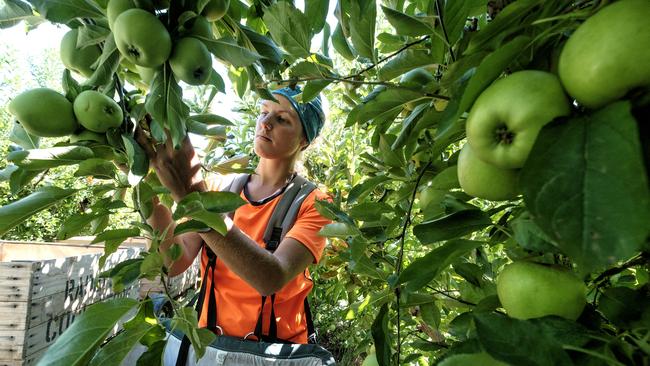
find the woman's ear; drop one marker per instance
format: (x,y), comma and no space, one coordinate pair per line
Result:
(304,144)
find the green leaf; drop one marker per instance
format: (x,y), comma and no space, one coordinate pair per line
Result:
(177,112)
(217,81)
(529,236)
(451,226)
(123,274)
(289,28)
(338,230)
(404,62)
(424,269)
(313,88)
(214,132)
(74,224)
(135,330)
(151,266)
(138,160)
(20,177)
(360,191)
(309,69)
(509,21)
(18,211)
(40,159)
(623,306)
(110,237)
(78,343)
(13,12)
(63,11)
(98,168)
(189,226)
(454,17)
(211,119)
(186,321)
(341,44)
(386,103)
(586,187)
(407,25)
(535,342)
(220,202)
(23,138)
(370,211)
(227,49)
(316,13)
(91,34)
(108,63)
(70,86)
(490,68)
(381,336)
(272,56)
(7,171)
(363,14)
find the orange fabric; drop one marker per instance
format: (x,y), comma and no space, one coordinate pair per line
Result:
(238,304)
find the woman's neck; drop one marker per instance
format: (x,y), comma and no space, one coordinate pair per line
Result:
(273,173)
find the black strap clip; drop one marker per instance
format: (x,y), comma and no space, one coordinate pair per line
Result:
(273,243)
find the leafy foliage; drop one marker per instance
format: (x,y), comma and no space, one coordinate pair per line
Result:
(413,260)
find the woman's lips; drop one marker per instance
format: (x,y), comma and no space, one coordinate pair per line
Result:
(264,138)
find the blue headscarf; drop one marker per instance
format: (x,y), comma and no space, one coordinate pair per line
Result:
(311,113)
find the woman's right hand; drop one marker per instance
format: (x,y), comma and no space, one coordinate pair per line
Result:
(178,170)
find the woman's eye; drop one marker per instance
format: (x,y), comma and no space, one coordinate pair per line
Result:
(281,120)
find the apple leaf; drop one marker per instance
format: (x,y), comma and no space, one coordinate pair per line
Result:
(586,187)
(227,49)
(535,342)
(407,25)
(108,63)
(39,159)
(424,269)
(78,343)
(363,14)
(405,61)
(341,44)
(13,12)
(289,27)
(18,211)
(64,11)
(381,336)
(117,349)
(455,17)
(451,226)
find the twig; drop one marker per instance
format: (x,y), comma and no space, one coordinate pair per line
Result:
(444,31)
(402,49)
(400,257)
(639,259)
(40,179)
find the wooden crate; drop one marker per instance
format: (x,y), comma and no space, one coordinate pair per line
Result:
(43,286)
(178,285)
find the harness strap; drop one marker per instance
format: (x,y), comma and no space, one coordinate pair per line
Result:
(184,349)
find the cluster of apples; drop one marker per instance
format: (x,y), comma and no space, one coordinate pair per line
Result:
(601,62)
(145,45)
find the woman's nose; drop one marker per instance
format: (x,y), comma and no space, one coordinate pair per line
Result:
(265,122)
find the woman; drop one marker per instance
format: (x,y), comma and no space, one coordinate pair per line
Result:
(245,270)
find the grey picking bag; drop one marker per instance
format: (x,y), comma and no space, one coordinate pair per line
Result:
(269,350)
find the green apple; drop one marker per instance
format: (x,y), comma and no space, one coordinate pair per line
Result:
(506,118)
(532,290)
(215,9)
(117,7)
(608,55)
(79,60)
(97,112)
(146,74)
(44,112)
(471,359)
(86,135)
(198,27)
(480,179)
(191,61)
(142,38)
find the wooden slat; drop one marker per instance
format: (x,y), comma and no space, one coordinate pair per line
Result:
(44,335)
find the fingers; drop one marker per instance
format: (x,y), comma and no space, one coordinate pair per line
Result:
(145,142)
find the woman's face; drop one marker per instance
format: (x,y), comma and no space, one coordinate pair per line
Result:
(278,131)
